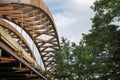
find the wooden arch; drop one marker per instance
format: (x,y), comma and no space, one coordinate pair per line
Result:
(34,17)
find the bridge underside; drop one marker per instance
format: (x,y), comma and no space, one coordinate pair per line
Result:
(11,68)
(13,65)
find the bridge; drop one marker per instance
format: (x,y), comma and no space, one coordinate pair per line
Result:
(28,38)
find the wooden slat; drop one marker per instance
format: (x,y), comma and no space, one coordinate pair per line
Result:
(35,27)
(31,22)
(11,11)
(49,51)
(7,59)
(25,19)
(17,15)
(6,8)
(38,39)
(20,69)
(31,75)
(25,24)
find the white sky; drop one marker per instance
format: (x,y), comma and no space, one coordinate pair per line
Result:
(72,17)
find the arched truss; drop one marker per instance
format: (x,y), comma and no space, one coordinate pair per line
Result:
(17,36)
(33,17)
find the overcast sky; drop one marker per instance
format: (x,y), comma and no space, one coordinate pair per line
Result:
(72,17)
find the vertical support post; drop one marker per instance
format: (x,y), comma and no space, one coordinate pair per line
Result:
(20,65)
(0,34)
(31,72)
(0,53)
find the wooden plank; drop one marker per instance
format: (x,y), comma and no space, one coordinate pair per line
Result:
(49,51)
(17,15)
(31,22)
(11,11)
(7,59)
(20,69)
(31,75)
(36,27)
(14,45)
(6,8)
(5,37)
(25,19)
(38,40)
(40,29)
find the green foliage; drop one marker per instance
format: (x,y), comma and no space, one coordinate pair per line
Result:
(63,60)
(97,57)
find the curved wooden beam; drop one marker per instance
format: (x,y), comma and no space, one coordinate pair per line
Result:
(35,18)
(38,3)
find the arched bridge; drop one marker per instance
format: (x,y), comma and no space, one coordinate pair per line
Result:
(28,38)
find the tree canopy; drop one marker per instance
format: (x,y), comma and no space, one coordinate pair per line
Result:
(97,57)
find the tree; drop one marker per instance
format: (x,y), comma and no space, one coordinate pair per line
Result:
(104,37)
(97,57)
(106,34)
(63,58)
